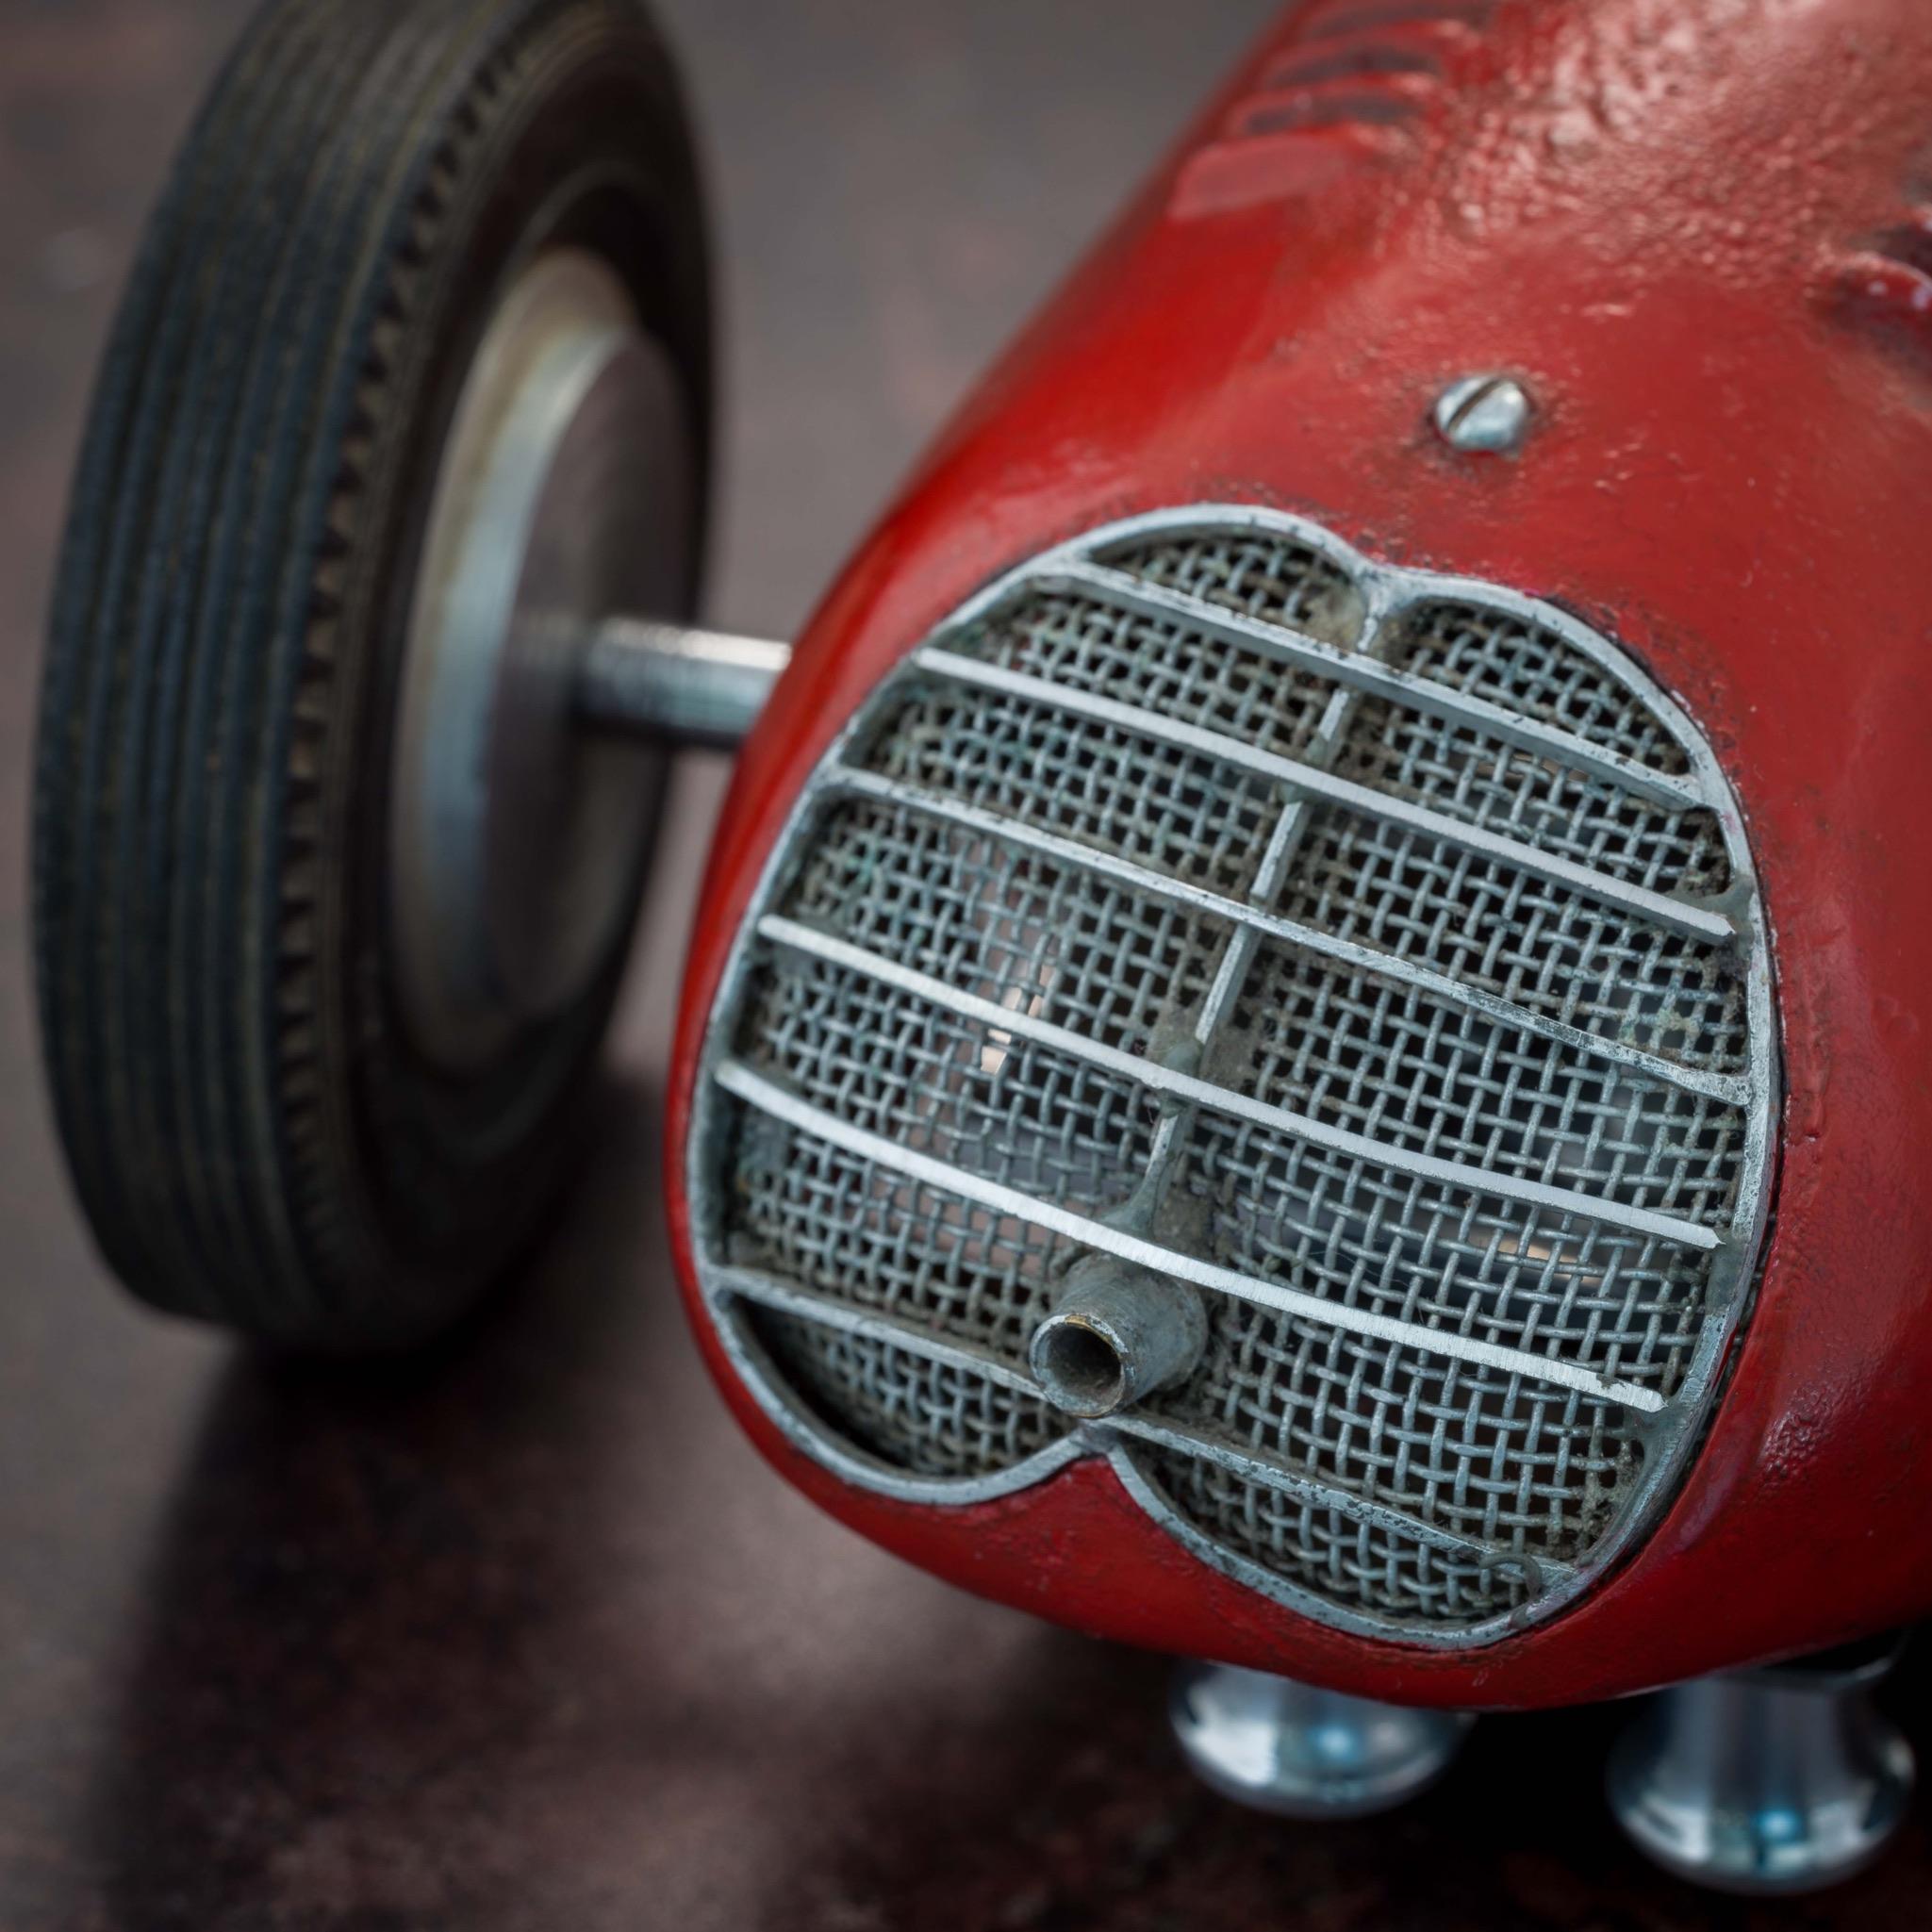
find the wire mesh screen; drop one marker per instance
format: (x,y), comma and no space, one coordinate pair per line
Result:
(1380,954)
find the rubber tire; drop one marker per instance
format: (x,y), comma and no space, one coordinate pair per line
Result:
(252,1136)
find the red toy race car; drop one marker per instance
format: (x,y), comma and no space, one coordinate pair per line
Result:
(1304,1044)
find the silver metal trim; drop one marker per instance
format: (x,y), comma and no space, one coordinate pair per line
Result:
(1548,1584)
(727,1288)
(1164,1434)
(1679,916)
(768,1098)
(1365,672)
(1166,1079)
(1387,590)
(768,1291)
(849,781)
(1277,860)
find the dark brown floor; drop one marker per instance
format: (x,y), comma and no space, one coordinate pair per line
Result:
(523,1636)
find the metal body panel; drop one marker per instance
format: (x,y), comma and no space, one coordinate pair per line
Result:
(1660,221)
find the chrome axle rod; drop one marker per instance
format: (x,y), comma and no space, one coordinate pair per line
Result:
(675,683)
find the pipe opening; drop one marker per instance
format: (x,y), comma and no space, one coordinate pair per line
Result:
(1118,1333)
(1079,1367)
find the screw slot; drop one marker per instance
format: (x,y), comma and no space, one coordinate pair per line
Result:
(1484,415)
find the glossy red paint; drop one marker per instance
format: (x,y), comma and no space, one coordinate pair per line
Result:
(1662,218)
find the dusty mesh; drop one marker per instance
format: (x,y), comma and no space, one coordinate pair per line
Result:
(1030,886)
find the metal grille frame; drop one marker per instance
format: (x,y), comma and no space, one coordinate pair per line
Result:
(1325,631)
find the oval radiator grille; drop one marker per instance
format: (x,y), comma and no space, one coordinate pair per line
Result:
(1375,952)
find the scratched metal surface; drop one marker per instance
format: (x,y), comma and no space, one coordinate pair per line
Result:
(521,1635)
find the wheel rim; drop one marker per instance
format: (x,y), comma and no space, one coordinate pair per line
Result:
(562,494)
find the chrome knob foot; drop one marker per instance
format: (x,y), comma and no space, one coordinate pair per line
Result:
(1285,1747)
(1780,1780)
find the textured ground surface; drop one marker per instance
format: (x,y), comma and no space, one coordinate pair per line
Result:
(521,1636)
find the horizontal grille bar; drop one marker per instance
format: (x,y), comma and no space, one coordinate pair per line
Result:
(766,1291)
(1366,672)
(1673,915)
(1150,1073)
(849,781)
(769,1291)
(768,1098)
(1271,1475)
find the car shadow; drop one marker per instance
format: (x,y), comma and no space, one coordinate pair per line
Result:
(518,1632)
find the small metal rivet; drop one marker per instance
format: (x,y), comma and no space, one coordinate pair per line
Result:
(1484,413)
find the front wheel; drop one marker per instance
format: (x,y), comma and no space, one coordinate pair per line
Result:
(331,902)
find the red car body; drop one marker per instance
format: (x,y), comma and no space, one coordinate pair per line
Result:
(1689,231)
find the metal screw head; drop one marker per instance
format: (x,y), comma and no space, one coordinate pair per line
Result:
(1484,413)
